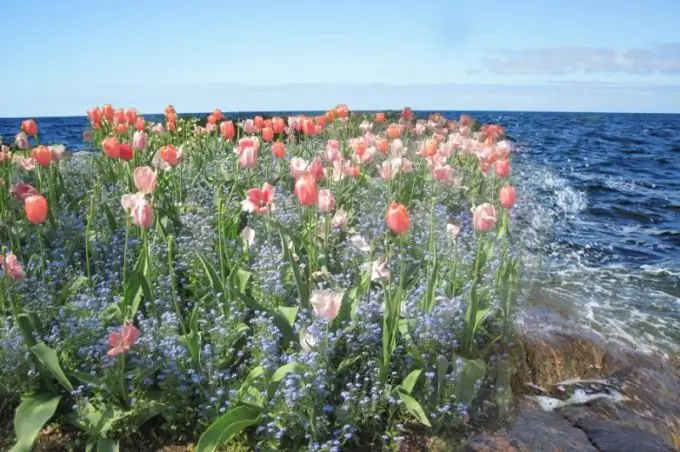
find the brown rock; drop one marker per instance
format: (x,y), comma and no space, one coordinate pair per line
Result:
(551,350)
(556,354)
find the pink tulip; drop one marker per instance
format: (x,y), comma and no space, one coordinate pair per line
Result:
(21,191)
(57,151)
(121,341)
(453,230)
(333,150)
(339,220)
(316,169)
(158,129)
(21,140)
(259,200)
(142,214)
(140,140)
(326,303)
(508,196)
(145,179)
(503,168)
(12,267)
(298,167)
(305,190)
(248,126)
(248,158)
(245,143)
(326,200)
(140,210)
(484,217)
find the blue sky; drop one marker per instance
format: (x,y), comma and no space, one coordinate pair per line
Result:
(61,57)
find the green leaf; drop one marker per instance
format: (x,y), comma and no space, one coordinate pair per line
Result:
(136,286)
(442,368)
(235,334)
(30,417)
(302,289)
(347,308)
(107,445)
(347,362)
(170,214)
(110,218)
(279,319)
(414,408)
(470,371)
(28,326)
(215,282)
(481,315)
(86,378)
(405,328)
(48,357)
(254,374)
(410,381)
(27,329)
(193,337)
(226,427)
(429,299)
(142,264)
(281,373)
(239,279)
(290,313)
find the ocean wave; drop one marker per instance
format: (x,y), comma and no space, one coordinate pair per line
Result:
(583,267)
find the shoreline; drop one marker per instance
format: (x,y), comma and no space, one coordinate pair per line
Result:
(578,390)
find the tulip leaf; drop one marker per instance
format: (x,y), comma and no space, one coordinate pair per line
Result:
(226,427)
(30,417)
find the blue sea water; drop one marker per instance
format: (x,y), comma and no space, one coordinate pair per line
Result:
(599,208)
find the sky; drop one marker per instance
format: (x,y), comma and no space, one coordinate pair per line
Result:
(62,57)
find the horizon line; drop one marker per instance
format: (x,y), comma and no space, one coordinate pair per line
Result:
(420,110)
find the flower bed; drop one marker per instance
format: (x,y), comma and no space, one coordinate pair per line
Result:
(320,283)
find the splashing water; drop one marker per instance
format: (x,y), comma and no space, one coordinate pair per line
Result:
(602,245)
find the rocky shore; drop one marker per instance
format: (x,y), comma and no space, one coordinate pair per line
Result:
(580,392)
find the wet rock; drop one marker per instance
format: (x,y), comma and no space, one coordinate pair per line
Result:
(552,354)
(548,431)
(616,384)
(654,390)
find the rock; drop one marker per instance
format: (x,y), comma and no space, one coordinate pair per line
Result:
(543,430)
(613,437)
(588,393)
(558,352)
(495,443)
(618,427)
(654,389)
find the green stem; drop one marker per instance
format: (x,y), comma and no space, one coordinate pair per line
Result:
(87,239)
(125,250)
(3,305)
(42,252)
(473,308)
(173,291)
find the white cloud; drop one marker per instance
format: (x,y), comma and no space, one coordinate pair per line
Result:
(657,58)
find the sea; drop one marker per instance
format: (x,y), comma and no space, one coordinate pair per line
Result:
(598,211)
